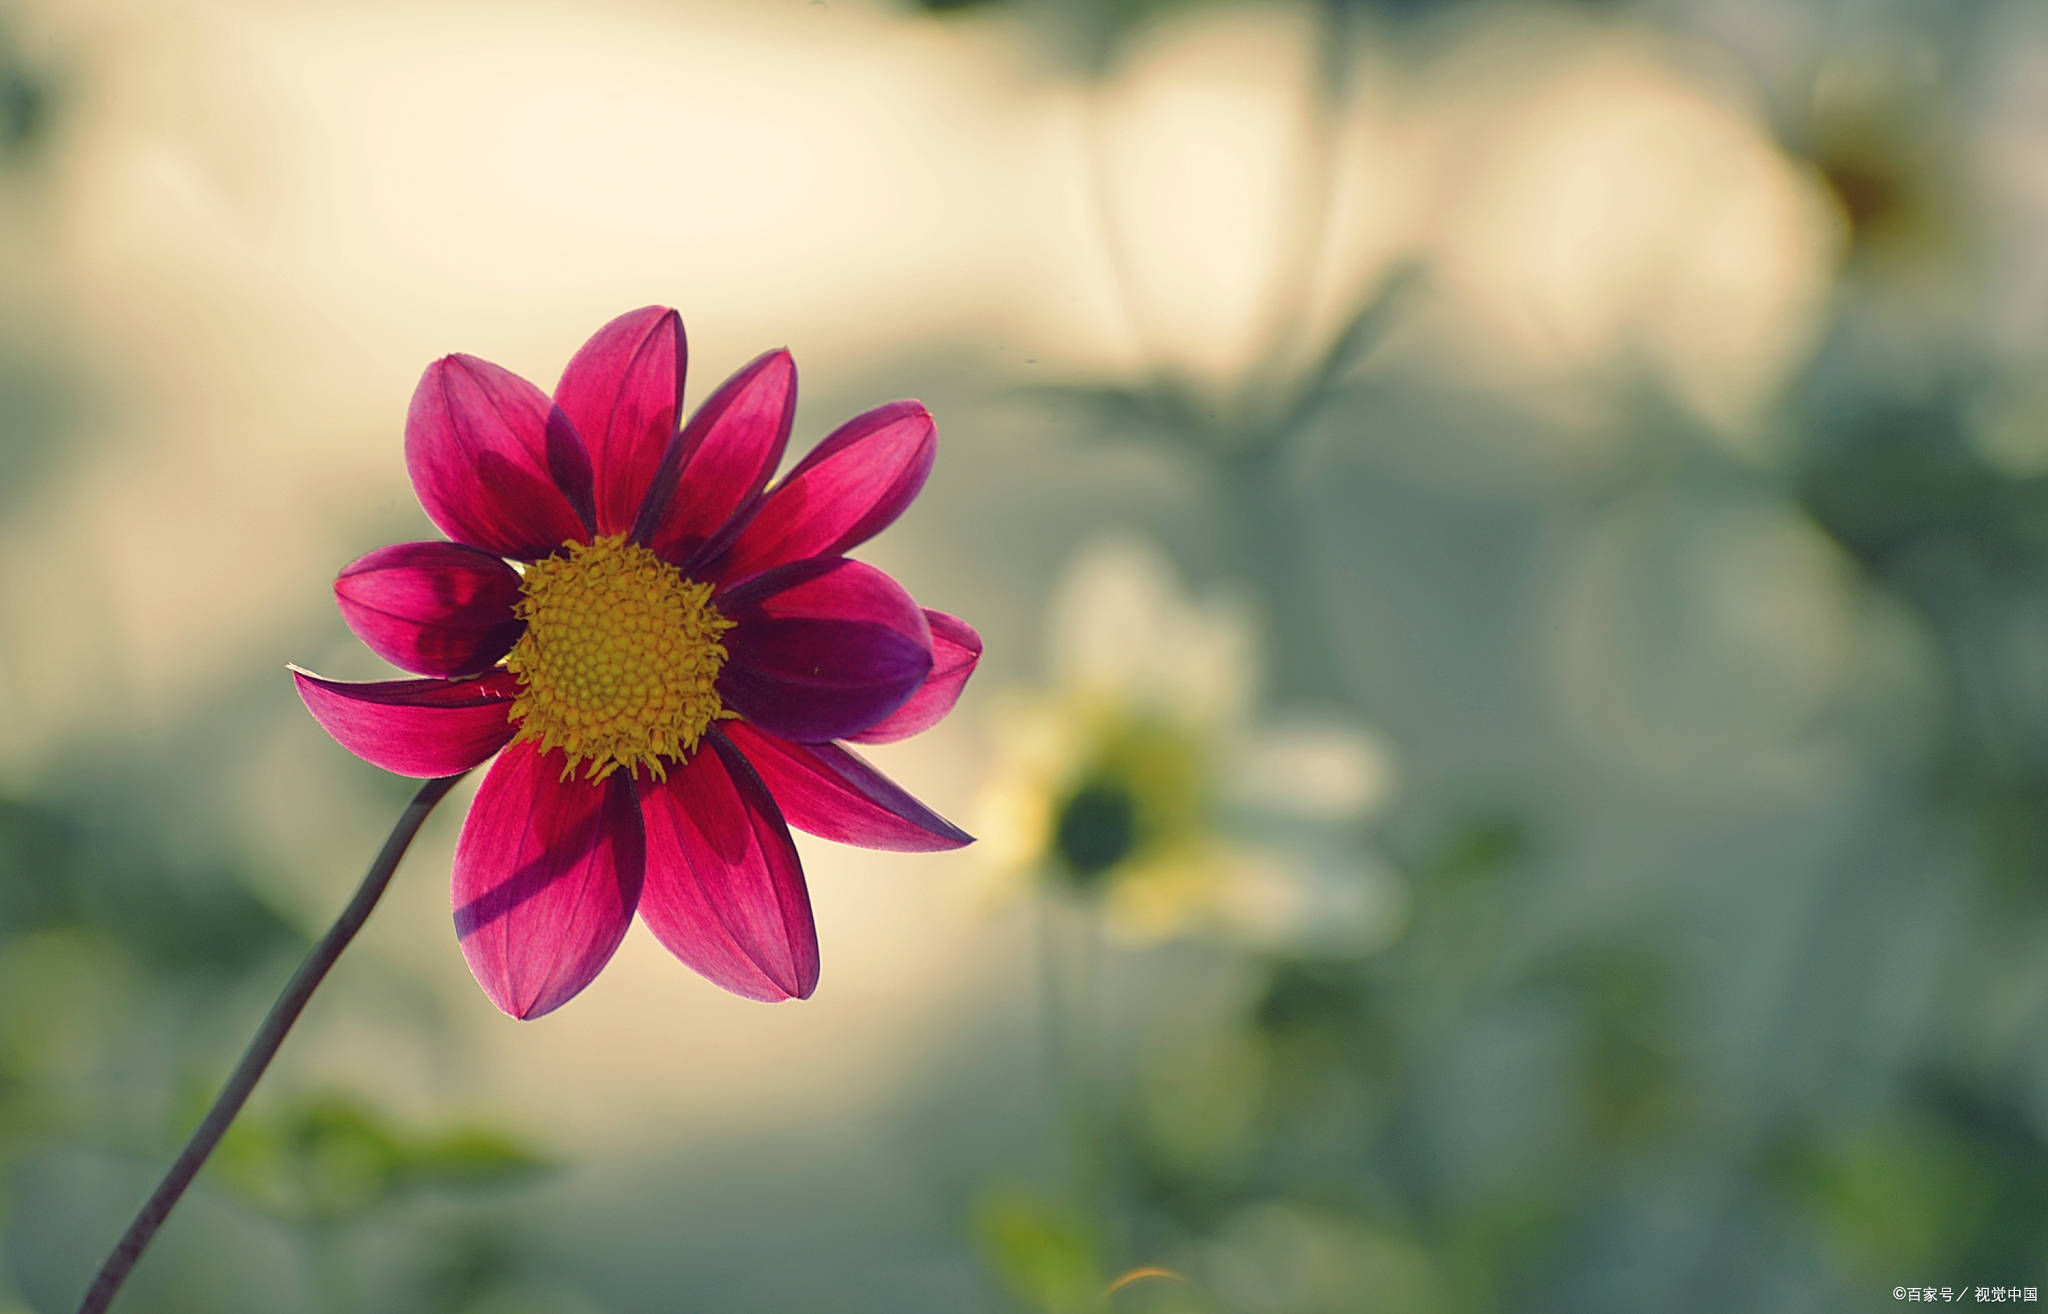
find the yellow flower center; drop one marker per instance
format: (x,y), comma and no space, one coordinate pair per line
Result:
(620,659)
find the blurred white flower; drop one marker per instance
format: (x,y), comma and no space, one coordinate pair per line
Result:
(1603,202)
(1148,777)
(1244,206)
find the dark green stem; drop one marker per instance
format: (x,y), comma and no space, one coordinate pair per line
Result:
(262,1048)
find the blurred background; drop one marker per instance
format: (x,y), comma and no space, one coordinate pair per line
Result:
(1512,755)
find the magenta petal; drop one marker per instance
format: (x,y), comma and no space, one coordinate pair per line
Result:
(547,874)
(847,490)
(835,794)
(822,649)
(725,891)
(624,393)
(956,649)
(421,728)
(435,608)
(717,466)
(494,462)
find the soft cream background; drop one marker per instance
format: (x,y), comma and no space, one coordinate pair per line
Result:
(258,222)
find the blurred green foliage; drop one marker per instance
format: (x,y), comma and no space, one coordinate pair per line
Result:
(1110,22)
(1046,1254)
(72,873)
(24,99)
(102,941)
(324,1159)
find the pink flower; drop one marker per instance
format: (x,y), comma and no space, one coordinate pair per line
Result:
(669,678)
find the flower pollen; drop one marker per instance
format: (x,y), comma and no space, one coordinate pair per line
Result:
(619,662)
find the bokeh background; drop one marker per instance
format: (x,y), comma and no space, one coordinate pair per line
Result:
(1513,748)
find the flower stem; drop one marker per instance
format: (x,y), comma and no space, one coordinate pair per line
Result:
(262,1048)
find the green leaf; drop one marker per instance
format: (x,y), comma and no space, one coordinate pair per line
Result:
(472,1156)
(332,1157)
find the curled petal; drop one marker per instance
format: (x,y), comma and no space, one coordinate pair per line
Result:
(822,649)
(725,891)
(495,463)
(435,608)
(835,794)
(421,728)
(547,874)
(717,466)
(847,490)
(624,393)
(956,649)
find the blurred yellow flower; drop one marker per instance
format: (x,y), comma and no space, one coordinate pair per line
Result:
(1143,779)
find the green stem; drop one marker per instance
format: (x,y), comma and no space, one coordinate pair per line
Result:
(1064,994)
(1273,538)
(262,1048)
(1052,1016)
(1091,1078)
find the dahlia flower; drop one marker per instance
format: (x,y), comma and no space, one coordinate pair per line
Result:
(669,676)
